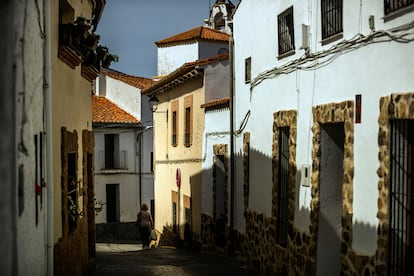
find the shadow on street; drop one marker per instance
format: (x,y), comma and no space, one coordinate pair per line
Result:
(130,259)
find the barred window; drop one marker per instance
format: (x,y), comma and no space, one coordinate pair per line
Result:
(391,6)
(248,69)
(283,187)
(331,11)
(401,215)
(286,35)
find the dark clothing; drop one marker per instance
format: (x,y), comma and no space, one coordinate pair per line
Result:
(144,223)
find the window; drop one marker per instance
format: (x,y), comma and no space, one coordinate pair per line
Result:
(113,157)
(187,126)
(174,129)
(286,34)
(248,69)
(283,187)
(188,104)
(391,6)
(331,11)
(401,214)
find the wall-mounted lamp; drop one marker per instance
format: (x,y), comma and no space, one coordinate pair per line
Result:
(153,102)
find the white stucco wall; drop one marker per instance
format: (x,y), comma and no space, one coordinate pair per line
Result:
(124,95)
(365,71)
(214,134)
(30,236)
(172,57)
(127,179)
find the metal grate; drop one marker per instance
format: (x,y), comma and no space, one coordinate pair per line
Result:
(283,185)
(286,31)
(401,234)
(331,11)
(395,5)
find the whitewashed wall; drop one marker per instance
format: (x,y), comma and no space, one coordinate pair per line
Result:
(172,57)
(214,134)
(372,71)
(122,94)
(26,80)
(128,180)
(216,128)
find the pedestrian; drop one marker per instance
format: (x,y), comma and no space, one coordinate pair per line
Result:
(144,223)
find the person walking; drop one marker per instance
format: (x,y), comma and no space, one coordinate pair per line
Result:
(144,223)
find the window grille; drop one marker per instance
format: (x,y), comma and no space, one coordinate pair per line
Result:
(247,69)
(286,34)
(331,11)
(401,218)
(283,185)
(395,5)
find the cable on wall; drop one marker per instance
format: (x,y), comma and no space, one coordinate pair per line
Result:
(320,59)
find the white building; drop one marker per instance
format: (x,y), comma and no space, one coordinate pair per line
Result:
(330,91)
(122,125)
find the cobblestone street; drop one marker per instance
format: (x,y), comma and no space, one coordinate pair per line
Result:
(130,259)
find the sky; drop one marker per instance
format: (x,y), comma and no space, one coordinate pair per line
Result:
(129,29)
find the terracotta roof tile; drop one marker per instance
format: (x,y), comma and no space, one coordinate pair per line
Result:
(202,33)
(138,82)
(215,103)
(181,71)
(105,111)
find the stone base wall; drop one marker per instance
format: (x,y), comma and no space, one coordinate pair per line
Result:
(259,243)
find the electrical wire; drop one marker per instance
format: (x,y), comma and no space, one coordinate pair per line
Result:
(313,61)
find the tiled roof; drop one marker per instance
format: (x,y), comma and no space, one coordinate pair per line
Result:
(176,77)
(202,33)
(105,111)
(138,82)
(216,103)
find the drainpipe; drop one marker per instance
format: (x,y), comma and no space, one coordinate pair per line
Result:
(141,136)
(232,203)
(47,84)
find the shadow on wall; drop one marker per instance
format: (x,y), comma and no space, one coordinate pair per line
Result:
(302,213)
(365,238)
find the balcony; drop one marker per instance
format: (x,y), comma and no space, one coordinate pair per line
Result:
(78,45)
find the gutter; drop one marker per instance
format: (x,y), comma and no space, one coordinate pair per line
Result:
(47,84)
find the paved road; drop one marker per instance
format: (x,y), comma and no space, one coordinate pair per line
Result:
(130,259)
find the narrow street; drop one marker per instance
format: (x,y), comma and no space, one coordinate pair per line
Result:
(130,259)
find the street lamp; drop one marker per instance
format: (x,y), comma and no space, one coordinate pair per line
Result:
(153,102)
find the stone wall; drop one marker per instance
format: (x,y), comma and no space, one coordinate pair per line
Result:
(298,257)
(396,106)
